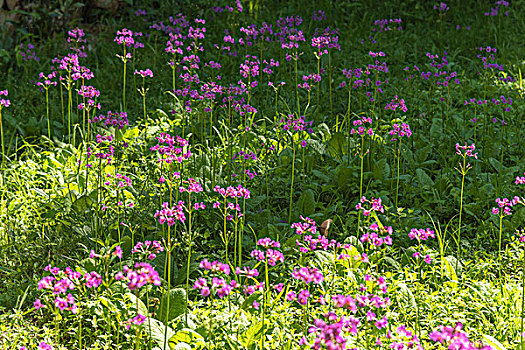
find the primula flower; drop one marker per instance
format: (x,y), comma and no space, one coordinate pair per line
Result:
(118,252)
(140,275)
(454,338)
(215,266)
(45,346)
(4,102)
(308,275)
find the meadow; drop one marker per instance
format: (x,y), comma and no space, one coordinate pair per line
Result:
(262,174)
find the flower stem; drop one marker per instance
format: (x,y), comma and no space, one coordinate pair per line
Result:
(291,185)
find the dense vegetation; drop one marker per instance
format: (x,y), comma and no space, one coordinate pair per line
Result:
(262,175)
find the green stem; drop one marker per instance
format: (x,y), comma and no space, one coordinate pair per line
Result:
(2,138)
(47,112)
(397,182)
(124,82)
(460,212)
(189,258)
(291,184)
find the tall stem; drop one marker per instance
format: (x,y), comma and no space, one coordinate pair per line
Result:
(330,83)
(2,138)
(397,182)
(47,113)
(499,241)
(291,185)
(124,82)
(296,58)
(460,212)
(522,297)
(189,257)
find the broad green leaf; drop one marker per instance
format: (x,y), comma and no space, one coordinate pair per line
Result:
(496,345)
(306,203)
(424,179)
(186,337)
(136,302)
(159,333)
(336,145)
(177,304)
(406,297)
(252,334)
(381,169)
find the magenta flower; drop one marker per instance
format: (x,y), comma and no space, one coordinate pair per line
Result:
(141,275)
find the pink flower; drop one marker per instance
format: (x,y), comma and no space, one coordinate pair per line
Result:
(37,304)
(118,252)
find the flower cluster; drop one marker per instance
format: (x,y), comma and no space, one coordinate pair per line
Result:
(268,243)
(318,16)
(307,226)
(306,78)
(310,244)
(115,119)
(505,205)
(374,204)
(330,332)
(141,275)
(454,338)
(296,125)
(520,180)
(373,237)
(308,275)
(499,4)
(150,249)
(442,8)
(250,68)
(46,80)
(421,234)
(137,320)
(77,36)
(169,215)
(395,104)
(490,60)
(144,73)
(175,148)
(125,37)
(234,193)
(407,340)
(4,102)
(350,74)
(220,285)
(385,25)
(324,41)
(60,282)
(91,94)
(401,131)
(272,256)
(215,266)
(28,54)
(360,127)
(105,149)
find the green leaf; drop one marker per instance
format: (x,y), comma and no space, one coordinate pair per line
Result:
(406,297)
(381,169)
(496,345)
(141,307)
(424,179)
(450,263)
(177,301)
(252,333)
(186,337)
(158,332)
(336,145)
(306,203)
(496,164)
